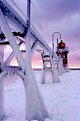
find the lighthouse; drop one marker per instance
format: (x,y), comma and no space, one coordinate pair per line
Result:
(62,51)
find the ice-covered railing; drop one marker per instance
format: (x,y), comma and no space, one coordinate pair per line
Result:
(40,39)
(14,18)
(19,6)
(12,14)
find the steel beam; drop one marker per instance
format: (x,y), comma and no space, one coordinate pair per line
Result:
(15,17)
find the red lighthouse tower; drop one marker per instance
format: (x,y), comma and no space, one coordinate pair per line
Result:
(62,51)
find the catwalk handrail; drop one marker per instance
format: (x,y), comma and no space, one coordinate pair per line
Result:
(13,15)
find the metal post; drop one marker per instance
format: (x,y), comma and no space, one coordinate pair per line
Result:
(28,12)
(53,39)
(55,72)
(28,42)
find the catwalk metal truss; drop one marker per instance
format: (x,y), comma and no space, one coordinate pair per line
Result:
(34,109)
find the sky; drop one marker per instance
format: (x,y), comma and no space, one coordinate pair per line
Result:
(62,16)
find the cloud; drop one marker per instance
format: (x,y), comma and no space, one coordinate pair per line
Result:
(58,15)
(57,9)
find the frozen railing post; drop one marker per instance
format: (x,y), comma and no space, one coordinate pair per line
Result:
(59,60)
(1,97)
(1,81)
(35,106)
(48,68)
